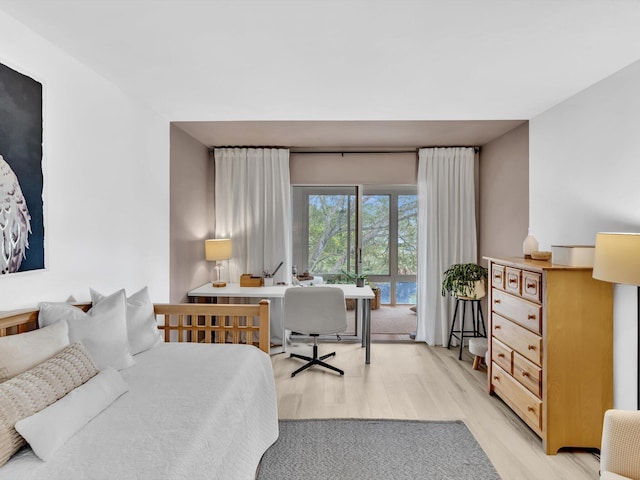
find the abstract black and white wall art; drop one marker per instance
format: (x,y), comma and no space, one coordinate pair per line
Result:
(21,214)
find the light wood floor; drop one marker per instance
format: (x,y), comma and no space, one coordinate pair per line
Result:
(415,381)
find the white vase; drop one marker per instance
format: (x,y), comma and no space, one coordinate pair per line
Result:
(530,245)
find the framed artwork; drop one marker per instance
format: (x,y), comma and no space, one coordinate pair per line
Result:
(21,180)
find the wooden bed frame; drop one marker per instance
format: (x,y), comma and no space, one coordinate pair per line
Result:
(183,322)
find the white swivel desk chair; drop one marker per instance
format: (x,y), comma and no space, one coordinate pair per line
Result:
(316,311)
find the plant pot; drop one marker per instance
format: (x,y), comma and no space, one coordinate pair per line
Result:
(360,282)
(478,292)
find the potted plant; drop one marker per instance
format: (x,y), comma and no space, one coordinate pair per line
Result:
(465,281)
(360,280)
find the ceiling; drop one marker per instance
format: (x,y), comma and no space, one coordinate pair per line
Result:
(342,60)
(346,136)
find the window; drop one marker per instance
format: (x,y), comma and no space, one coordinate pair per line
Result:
(325,236)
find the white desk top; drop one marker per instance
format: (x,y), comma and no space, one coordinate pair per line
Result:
(276,291)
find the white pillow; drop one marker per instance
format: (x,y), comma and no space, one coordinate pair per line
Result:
(49,429)
(142,328)
(19,353)
(102,330)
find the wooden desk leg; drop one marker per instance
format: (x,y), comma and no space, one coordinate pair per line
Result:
(366,320)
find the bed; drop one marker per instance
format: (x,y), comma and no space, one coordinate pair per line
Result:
(196,407)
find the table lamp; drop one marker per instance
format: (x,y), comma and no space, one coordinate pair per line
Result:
(617,260)
(216,250)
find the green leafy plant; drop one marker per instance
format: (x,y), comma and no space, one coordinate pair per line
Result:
(460,279)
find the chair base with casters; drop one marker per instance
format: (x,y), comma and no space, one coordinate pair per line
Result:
(315,360)
(315,311)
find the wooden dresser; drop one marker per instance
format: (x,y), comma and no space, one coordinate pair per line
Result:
(551,348)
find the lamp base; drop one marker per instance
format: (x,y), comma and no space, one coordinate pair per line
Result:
(219,284)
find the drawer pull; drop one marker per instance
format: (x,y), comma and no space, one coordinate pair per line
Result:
(501,355)
(513,280)
(497,300)
(531,317)
(496,327)
(496,377)
(531,347)
(525,374)
(531,409)
(497,275)
(531,285)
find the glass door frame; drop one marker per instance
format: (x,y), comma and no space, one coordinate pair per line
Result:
(300,208)
(393,191)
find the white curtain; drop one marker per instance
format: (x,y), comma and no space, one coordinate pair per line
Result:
(253,209)
(446,232)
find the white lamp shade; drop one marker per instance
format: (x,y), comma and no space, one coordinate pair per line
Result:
(217,249)
(617,258)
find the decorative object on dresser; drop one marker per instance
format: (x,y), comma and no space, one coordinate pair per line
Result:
(215,251)
(466,282)
(573,255)
(617,260)
(551,349)
(529,245)
(540,255)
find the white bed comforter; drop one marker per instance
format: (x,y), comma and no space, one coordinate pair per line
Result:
(193,412)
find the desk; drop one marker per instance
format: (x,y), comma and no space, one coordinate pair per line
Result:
(276,293)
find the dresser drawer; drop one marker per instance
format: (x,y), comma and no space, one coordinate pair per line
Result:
(502,354)
(512,280)
(527,405)
(527,343)
(532,286)
(525,313)
(528,374)
(497,276)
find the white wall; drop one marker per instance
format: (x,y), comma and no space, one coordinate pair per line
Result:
(106,181)
(354,168)
(584,178)
(192,213)
(504,194)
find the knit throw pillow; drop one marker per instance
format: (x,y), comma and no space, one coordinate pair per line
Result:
(37,388)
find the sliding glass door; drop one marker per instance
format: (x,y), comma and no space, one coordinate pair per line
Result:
(324,230)
(330,224)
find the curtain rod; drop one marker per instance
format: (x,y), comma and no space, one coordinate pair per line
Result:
(329,152)
(211,149)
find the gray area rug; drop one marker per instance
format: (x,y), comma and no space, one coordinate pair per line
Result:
(354,449)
